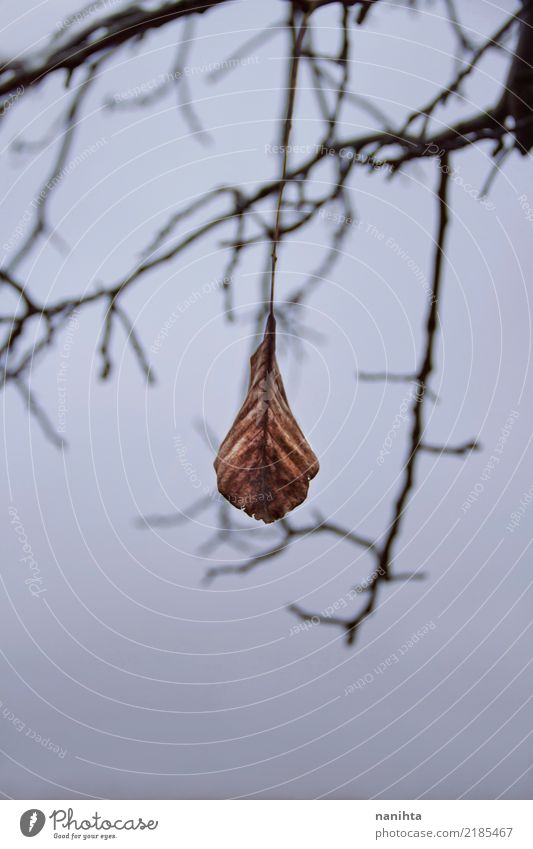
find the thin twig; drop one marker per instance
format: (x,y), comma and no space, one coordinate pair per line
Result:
(291,94)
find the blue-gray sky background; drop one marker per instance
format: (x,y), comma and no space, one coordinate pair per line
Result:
(152,683)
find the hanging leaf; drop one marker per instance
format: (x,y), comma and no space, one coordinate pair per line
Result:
(265,463)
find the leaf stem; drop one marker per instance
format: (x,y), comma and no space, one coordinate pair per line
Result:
(291,93)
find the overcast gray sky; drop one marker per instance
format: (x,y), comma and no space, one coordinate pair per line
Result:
(147,682)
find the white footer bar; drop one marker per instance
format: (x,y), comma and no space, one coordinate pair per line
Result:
(268,824)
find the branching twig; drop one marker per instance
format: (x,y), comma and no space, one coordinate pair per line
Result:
(241,215)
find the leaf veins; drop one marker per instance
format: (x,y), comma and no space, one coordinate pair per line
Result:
(265,463)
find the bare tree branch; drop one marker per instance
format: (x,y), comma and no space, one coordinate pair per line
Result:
(239,217)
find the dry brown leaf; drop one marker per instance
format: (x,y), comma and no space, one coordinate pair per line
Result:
(265,463)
